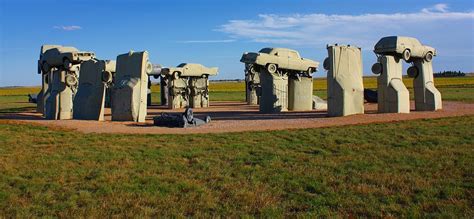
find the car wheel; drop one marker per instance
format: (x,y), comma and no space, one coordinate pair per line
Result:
(107,76)
(377,68)
(71,80)
(406,55)
(272,68)
(45,67)
(188,113)
(250,85)
(412,72)
(67,64)
(326,64)
(148,68)
(176,75)
(429,56)
(253,69)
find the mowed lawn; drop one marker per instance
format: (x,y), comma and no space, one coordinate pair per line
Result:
(412,168)
(420,168)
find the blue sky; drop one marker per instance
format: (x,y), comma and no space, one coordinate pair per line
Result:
(216,33)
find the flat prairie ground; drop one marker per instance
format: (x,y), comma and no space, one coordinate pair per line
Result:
(416,168)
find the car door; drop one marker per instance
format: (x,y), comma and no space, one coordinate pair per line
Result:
(294,60)
(282,59)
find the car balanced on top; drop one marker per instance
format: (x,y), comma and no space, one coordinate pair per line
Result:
(406,48)
(275,59)
(56,56)
(190,70)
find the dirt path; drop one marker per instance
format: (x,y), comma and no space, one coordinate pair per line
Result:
(238,117)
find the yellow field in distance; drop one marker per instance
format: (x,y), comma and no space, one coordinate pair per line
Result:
(319,84)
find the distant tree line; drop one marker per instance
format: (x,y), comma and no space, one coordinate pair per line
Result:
(449,74)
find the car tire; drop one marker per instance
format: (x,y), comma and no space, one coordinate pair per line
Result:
(272,68)
(71,80)
(250,85)
(326,64)
(107,76)
(176,75)
(412,72)
(188,114)
(406,55)
(253,69)
(148,68)
(377,68)
(67,64)
(429,57)
(45,67)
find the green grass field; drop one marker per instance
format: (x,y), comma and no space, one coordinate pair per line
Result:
(420,168)
(423,169)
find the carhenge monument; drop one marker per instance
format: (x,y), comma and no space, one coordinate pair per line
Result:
(276,67)
(129,94)
(45,80)
(344,79)
(188,85)
(393,96)
(61,65)
(96,76)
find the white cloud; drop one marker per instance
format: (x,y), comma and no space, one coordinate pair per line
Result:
(436,8)
(68,28)
(429,24)
(207,41)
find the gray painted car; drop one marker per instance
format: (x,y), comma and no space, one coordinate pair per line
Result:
(404,47)
(63,56)
(279,58)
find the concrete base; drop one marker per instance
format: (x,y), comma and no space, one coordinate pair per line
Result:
(345,86)
(427,97)
(252,84)
(59,103)
(89,102)
(148,97)
(39,102)
(393,96)
(178,93)
(199,97)
(300,93)
(129,96)
(274,97)
(251,97)
(108,97)
(164,90)
(42,95)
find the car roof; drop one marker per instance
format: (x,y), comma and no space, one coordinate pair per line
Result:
(398,39)
(62,49)
(269,49)
(45,48)
(67,49)
(188,64)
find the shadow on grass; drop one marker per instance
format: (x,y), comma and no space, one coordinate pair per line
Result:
(18,109)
